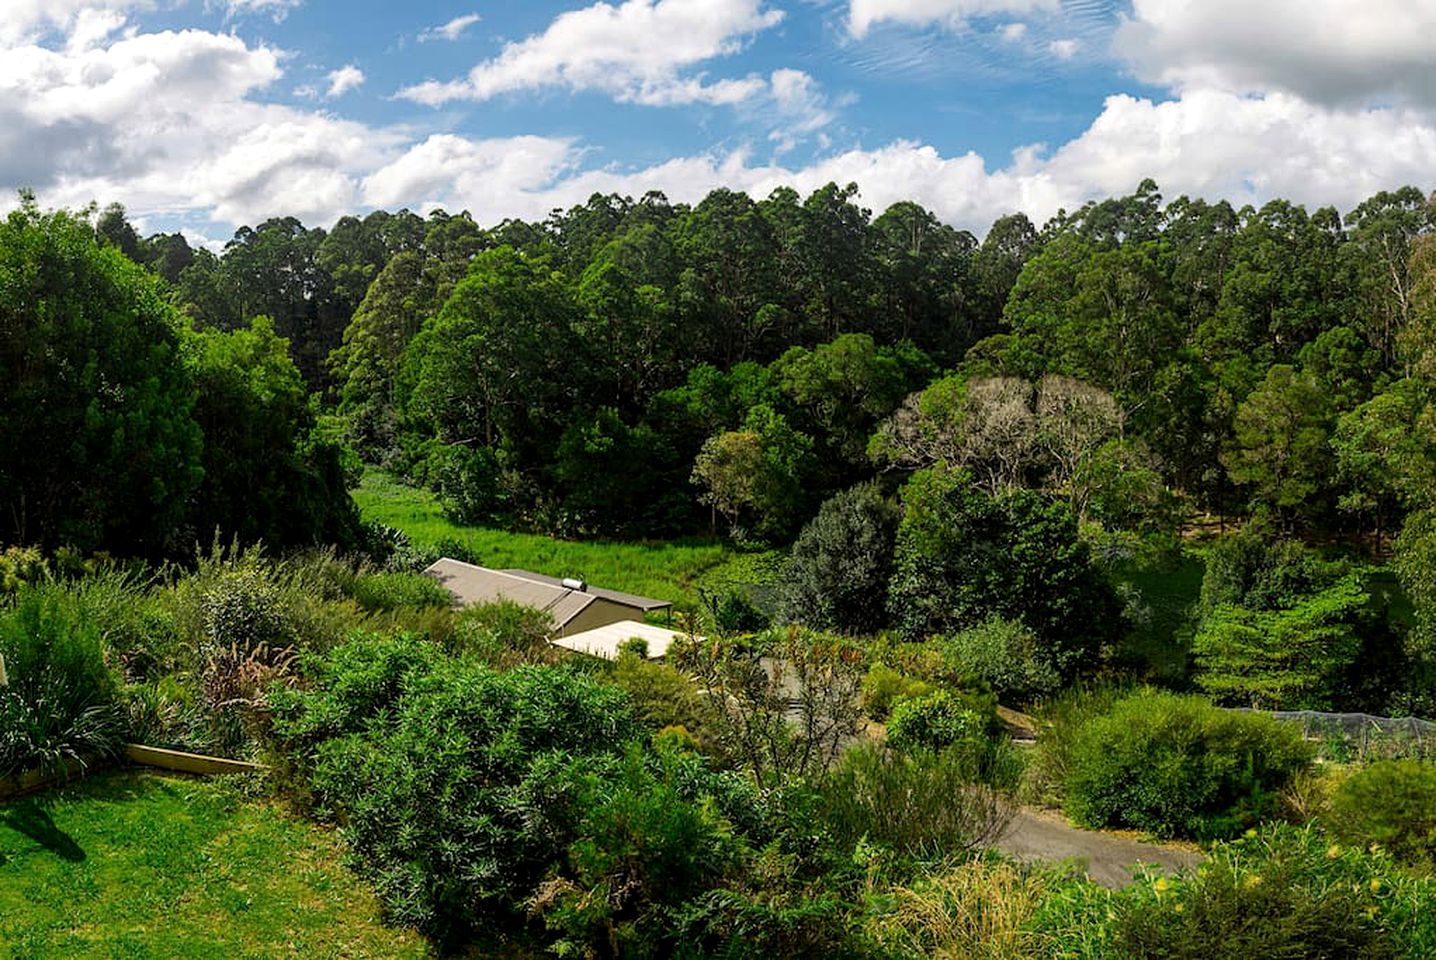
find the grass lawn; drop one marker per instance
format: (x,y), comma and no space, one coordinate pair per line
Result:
(140,865)
(665,570)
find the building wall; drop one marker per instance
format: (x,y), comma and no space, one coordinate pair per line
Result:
(600,613)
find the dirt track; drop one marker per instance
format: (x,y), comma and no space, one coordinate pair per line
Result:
(1041,836)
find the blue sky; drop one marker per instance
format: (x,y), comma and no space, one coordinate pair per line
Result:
(205,114)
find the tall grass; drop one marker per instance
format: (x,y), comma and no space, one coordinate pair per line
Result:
(59,703)
(670,570)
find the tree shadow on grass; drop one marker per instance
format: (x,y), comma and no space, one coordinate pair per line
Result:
(29,818)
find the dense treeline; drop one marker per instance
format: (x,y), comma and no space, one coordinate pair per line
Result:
(643,368)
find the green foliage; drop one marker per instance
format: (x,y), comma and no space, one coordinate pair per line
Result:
(459,796)
(1005,656)
(1273,907)
(964,556)
(1178,766)
(267,474)
(504,634)
(1059,727)
(939,720)
(1293,659)
(97,445)
(383,592)
(1391,803)
(884,686)
(663,698)
(59,702)
(837,575)
(925,804)
(1281,438)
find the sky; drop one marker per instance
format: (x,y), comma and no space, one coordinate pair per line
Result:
(204,115)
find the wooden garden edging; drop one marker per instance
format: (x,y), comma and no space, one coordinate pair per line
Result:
(176,760)
(188,762)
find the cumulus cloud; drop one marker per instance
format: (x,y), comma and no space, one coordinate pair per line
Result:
(346,78)
(173,124)
(863,15)
(1333,52)
(29,20)
(167,123)
(1211,144)
(636,52)
(451,31)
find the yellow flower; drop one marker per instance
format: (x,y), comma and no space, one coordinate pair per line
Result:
(1253,881)
(1162,886)
(1251,833)
(1375,884)
(1333,851)
(1178,908)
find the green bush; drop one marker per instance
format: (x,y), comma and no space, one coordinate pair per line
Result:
(1005,656)
(837,575)
(1059,721)
(60,700)
(941,719)
(1281,892)
(384,592)
(1178,766)
(459,787)
(663,697)
(1390,802)
(925,804)
(884,686)
(504,634)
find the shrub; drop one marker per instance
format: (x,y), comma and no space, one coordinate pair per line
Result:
(1059,722)
(837,576)
(504,634)
(59,703)
(1178,766)
(939,720)
(384,592)
(663,697)
(926,804)
(1005,656)
(1284,892)
(883,686)
(1390,802)
(459,787)
(733,611)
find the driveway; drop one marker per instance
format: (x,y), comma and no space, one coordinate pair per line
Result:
(1035,836)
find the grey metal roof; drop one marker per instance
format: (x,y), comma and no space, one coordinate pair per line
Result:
(617,596)
(471,584)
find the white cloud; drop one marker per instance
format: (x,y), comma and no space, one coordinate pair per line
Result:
(635,51)
(1014,32)
(1210,144)
(27,20)
(171,124)
(166,123)
(863,15)
(346,78)
(1064,49)
(452,30)
(278,9)
(1334,52)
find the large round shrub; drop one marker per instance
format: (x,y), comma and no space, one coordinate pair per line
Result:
(1178,766)
(938,720)
(1393,803)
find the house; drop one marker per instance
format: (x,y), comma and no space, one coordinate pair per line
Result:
(573,605)
(606,641)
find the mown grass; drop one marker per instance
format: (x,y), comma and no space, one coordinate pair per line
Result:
(139,865)
(665,570)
